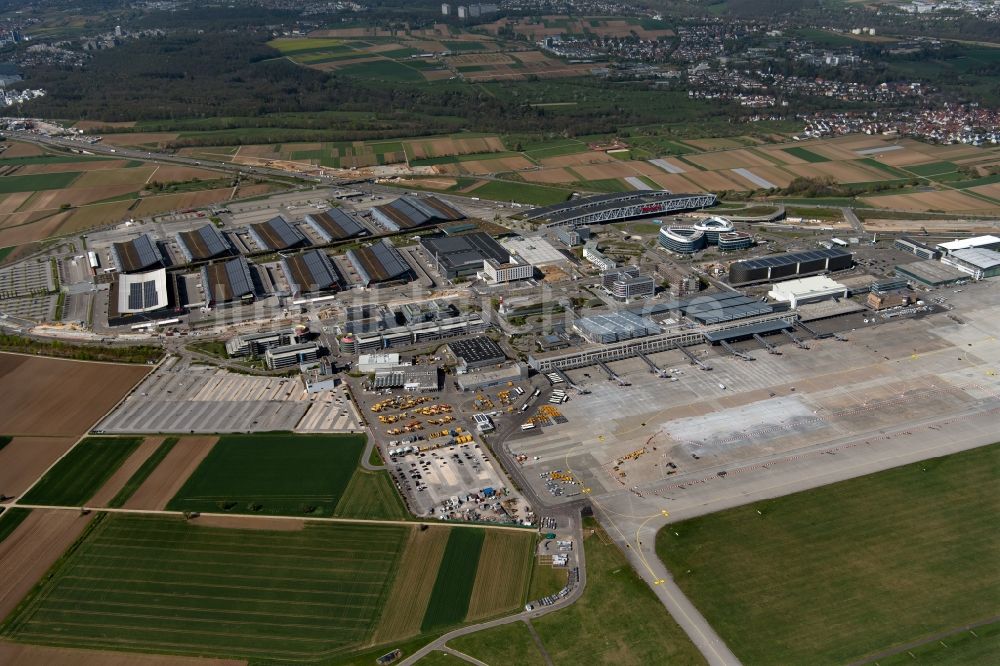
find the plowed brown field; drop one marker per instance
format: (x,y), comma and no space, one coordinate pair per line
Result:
(24,459)
(125,472)
(41,396)
(38,655)
(168,477)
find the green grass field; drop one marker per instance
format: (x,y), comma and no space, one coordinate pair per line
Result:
(851,569)
(966,648)
(506,644)
(449,601)
(932,169)
(273,474)
(617,621)
(10,519)
(524,193)
(143,472)
(163,585)
(372,496)
(304,45)
(82,472)
(385,70)
(805,154)
(36,182)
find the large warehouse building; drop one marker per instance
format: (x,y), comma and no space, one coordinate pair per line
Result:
(204,243)
(147,295)
(228,282)
(616,207)
(335,225)
(310,272)
(277,234)
(456,256)
(807,290)
(410,212)
(790,264)
(379,263)
(136,255)
(977,262)
(616,326)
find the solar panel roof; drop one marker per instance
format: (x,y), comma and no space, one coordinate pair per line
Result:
(204,243)
(311,271)
(228,280)
(380,262)
(793,258)
(137,254)
(335,224)
(278,234)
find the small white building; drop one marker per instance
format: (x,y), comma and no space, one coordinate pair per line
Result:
(807,290)
(515,269)
(372,362)
(483,422)
(596,257)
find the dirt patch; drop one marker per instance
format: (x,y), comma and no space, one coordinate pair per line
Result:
(54,199)
(948,200)
(136,176)
(39,655)
(555,175)
(168,202)
(578,159)
(96,215)
(430,183)
(32,548)
(41,396)
(168,477)
(173,174)
(251,523)
(32,232)
(712,181)
(118,480)
(436,74)
(100,124)
(13,201)
(992,190)
(604,171)
(18,149)
(24,460)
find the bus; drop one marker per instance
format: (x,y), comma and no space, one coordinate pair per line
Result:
(528,426)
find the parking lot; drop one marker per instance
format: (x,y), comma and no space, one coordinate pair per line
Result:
(182,397)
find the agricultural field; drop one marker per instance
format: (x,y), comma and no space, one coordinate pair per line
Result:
(44,194)
(276,474)
(291,596)
(867,565)
(81,472)
(449,601)
(31,385)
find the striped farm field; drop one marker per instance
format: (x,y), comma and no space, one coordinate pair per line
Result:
(504,573)
(75,478)
(167,586)
(452,592)
(407,603)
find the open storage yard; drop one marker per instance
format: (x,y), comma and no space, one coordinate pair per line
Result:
(843,572)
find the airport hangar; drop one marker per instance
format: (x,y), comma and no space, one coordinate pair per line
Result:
(604,208)
(204,243)
(409,212)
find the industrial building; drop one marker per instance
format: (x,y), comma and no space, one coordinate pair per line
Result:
(255,344)
(368,363)
(379,263)
(140,293)
(573,237)
(598,258)
(916,248)
(616,326)
(721,307)
(880,300)
(289,355)
(682,240)
(456,256)
(310,272)
(277,234)
(335,225)
(976,242)
(401,336)
(807,290)
(790,264)
(477,352)
(616,207)
(931,273)
(409,378)
(204,243)
(227,282)
(977,262)
(484,379)
(137,255)
(409,212)
(513,270)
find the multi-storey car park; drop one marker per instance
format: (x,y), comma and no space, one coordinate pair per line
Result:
(277,234)
(409,212)
(310,272)
(617,207)
(334,225)
(789,264)
(204,243)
